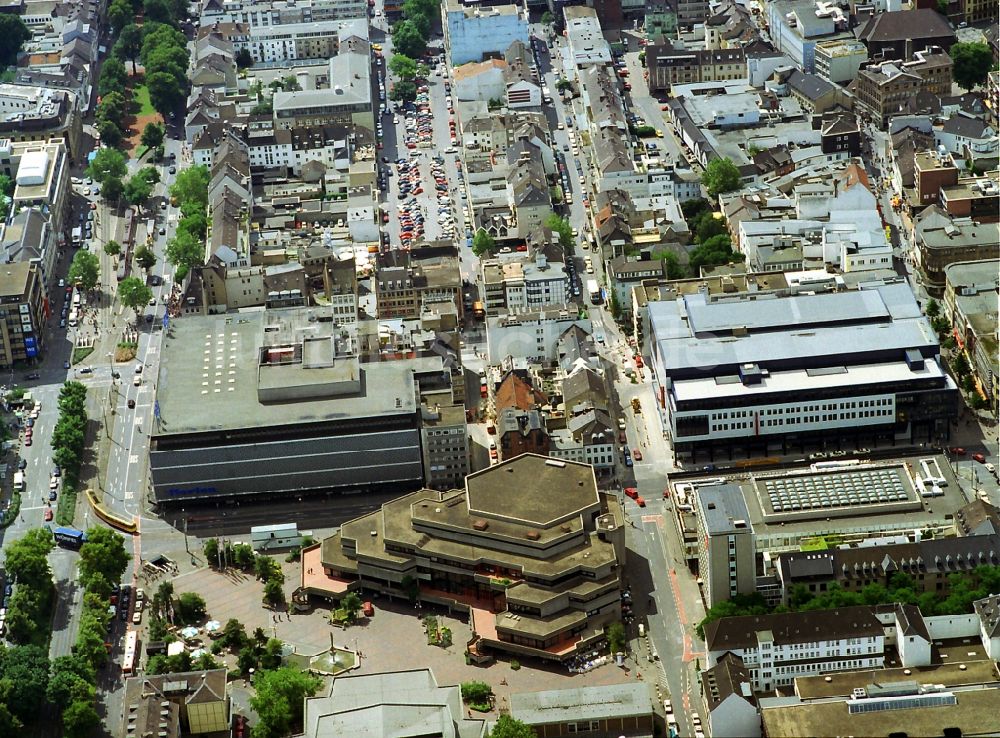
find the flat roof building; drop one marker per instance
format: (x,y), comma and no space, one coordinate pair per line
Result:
(530,548)
(277,403)
(756,374)
(611,710)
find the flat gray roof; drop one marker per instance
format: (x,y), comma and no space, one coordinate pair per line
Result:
(721,506)
(542,491)
(208,381)
(582,703)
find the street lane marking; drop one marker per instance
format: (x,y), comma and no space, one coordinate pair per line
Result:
(133,459)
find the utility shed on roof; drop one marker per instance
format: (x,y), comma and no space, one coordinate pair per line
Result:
(33,168)
(618,709)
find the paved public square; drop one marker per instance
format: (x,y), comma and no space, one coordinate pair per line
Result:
(393,639)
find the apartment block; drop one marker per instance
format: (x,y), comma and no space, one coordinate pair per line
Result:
(726,551)
(24,308)
(778,648)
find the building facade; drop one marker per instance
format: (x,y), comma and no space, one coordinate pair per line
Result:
(24,308)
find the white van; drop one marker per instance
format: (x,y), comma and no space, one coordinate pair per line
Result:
(19,481)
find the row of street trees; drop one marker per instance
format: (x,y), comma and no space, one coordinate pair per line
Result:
(407,71)
(187,248)
(241,555)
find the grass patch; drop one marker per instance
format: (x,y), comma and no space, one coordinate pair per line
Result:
(125,352)
(141,151)
(140,96)
(81,352)
(66,507)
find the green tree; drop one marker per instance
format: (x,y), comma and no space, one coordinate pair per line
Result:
(270,656)
(112,107)
(129,44)
(408,40)
(157,11)
(14,33)
(403,90)
(211,551)
(403,67)
(234,635)
(112,248)
(27,558)
(190,608)
(107,164)
(112,189)
(138,190)
(191,188)
(165,92)
(351,605)
(508,727)
(753,604)
(85,270)
(547,18)
(280,700)
(720,176)
(152,135)
(563,84)
(709,226)
(244,58)
(291,84)
(103,554)
(933,308)
(714,251)
(483,243)
(274,594)
(693,208)
(411,587)
(563,228)
(972,63)
(133,293)
(120,14)
(185,252)
(616,637)
(672,265)
(113,77)
(71,677)
(25,673)
(476,692)
(111,135)
(80,719)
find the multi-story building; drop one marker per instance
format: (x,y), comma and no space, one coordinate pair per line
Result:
(899,34)
(748,373)
(839,60)
(24,308)
(286,408)
(407,282)
(585,38)
(471,32)
(524,285)
(268,13)
(976,197)
(660,18)
(520,78)
(691,12)
(929,563)
(347,100)
(932,171)
(529,547)
(970,300)
(942,239)
(30,113)
(42,180)
(612,710)
(530,334)
(172,705)
(669,66)
(726,551)
(885,90)
(778,648)
(796,27)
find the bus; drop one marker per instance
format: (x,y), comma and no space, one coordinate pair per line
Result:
(69,537)
(594,290)
(131,654)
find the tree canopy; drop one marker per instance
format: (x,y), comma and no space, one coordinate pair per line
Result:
(134,293)
(103,554)
(508,727)
(145,258)
(563,228)
(408,40)
(152,135)
(107,164)
(280,700)
(483,243)
(112,248)
(972,63)
(720,176)
(85,269)
(13,34)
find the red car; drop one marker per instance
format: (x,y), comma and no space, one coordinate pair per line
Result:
(632,492)
(636,454)
(640,502)
(48,514)
(957,450)
(976,457)
(27,441)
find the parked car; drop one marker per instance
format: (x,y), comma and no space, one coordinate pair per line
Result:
(979,457)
